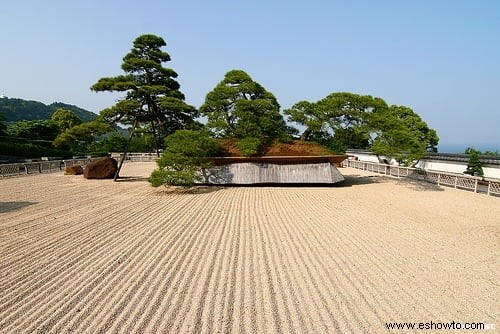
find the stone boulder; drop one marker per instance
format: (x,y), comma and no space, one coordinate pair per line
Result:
(102,168)
(74,170)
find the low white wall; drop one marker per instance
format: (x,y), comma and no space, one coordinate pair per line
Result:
(490,171)
(456,167)
(449,167)
(258,173)
(372,158)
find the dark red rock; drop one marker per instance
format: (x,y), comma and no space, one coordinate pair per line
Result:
(74,170)
(102,168)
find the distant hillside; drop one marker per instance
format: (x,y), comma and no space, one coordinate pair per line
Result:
(84,115)
(14,110)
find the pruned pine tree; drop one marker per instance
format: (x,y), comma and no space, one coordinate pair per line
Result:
(346,120)
(340,120)
(239,107)
(152,96)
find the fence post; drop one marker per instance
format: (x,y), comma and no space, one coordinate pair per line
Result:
(475,186)
(456,181)
(439,179)
(489,187)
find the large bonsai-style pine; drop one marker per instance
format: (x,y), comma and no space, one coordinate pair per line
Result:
(239,107)
(152,98)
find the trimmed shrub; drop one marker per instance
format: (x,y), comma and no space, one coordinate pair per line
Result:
(184,158)
(474,166)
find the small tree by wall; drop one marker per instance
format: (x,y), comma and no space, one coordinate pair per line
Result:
(474,166)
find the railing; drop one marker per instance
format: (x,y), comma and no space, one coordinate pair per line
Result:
(40,166)
(59,165)
(136,157)
(459,181)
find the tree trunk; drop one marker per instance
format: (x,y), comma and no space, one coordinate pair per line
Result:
(125,151)
(153,128)
(305,135)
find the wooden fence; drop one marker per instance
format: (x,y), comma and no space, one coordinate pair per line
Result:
(459,181)
(40,166)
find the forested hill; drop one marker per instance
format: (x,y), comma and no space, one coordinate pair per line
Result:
(14,110)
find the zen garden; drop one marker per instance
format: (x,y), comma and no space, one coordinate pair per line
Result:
(173,246)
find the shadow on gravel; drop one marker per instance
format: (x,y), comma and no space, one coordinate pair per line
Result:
(12,206)
(418,185)
(358,180)
(188,191)
(132,179)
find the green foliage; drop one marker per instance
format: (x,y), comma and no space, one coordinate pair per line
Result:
(400,144)
(401,133)
(346,120)
(416,126)
(30,139)
(79,137)
(192,145)
(249,146)
(339,121)
(38,130)
(30,150)
(239,107)
(334,113)
(474,166)
(35,137)
(65,119)
(471,150)
(82,114)
(184,158)
(114,142)
(345,138)
(342,139)
(142,142)
(152,94)
(18,110)
(3,127)
(184,175)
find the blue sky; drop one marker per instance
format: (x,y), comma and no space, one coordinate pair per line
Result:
(441,58)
